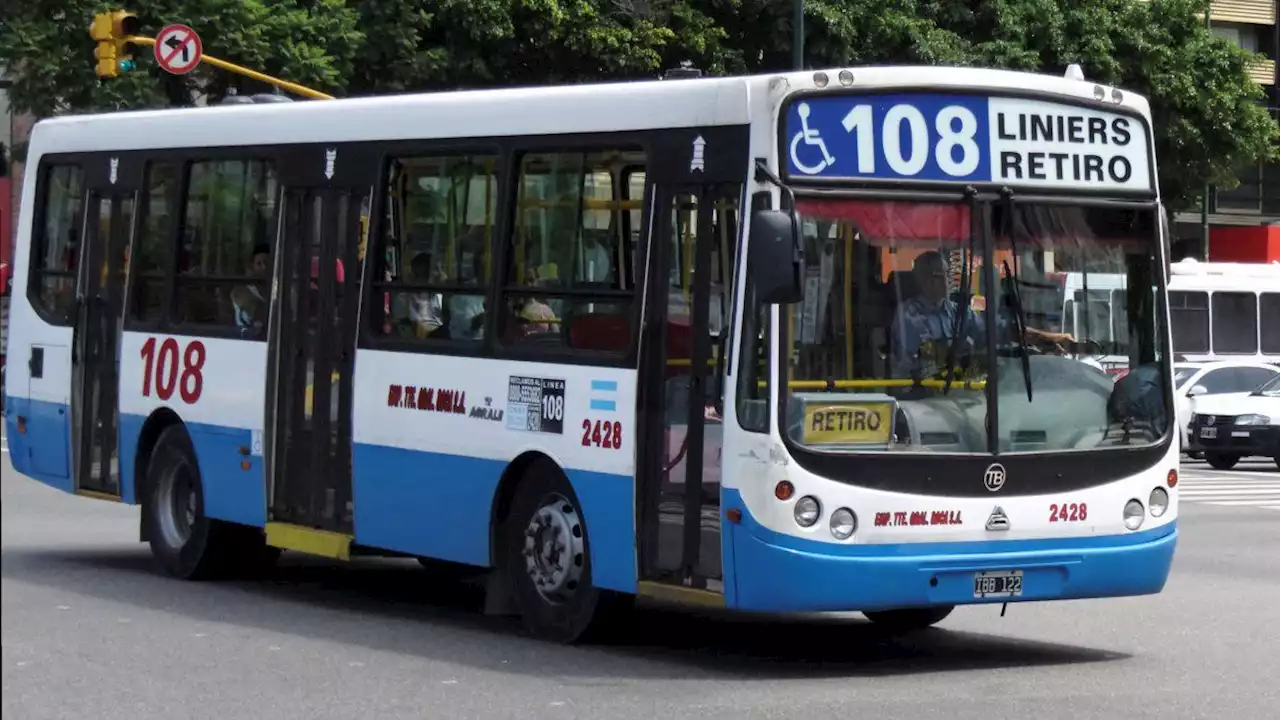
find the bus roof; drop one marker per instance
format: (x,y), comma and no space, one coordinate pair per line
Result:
(601,107)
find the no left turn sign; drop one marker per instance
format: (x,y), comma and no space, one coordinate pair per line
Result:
(178,49)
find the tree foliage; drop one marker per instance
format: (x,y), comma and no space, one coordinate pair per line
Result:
(1209,118)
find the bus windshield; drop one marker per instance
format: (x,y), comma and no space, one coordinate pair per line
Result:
(895,319)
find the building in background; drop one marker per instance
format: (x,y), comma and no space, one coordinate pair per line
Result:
(1244,223)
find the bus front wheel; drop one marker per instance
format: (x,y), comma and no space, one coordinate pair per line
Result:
(909,618)
(185,542)
(549,560)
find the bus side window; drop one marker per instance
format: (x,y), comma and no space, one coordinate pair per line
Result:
(564,285)
(1269,321)
(54,256)
(153,250)
(1235,323)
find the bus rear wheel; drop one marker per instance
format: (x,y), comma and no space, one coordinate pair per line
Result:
(910,618)
(549,560)
(185,542)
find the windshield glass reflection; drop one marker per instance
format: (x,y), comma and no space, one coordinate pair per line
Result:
(888,350)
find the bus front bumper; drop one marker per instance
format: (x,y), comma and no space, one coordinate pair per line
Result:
(777,573)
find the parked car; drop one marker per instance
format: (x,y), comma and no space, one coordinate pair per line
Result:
(1194,382)
(1227,428)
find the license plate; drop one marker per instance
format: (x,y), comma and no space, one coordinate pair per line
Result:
(997,583)
(1209,432)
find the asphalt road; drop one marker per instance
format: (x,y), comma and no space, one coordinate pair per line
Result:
(91,630)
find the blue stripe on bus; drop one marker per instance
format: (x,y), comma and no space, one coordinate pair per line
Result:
(416,502)
(42,452)
(438,505)
(230,492)
(776,572)
(605,405)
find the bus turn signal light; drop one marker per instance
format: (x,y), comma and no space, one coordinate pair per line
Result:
(784,490)
(1172,479)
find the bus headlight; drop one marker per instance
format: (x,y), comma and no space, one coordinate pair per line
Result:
(1133,514)
(843,523)
(807,511)
(1159,501)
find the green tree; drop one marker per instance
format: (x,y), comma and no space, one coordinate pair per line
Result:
(46,46)
(1208,116)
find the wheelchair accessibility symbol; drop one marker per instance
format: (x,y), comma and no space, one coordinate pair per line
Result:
(811,139)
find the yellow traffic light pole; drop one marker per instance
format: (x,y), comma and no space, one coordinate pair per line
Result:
(241,70)
(117,36)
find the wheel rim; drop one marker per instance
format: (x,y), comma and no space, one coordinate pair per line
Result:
(553,549)
(176,504)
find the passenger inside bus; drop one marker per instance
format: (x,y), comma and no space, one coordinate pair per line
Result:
(250,306)
(422,311)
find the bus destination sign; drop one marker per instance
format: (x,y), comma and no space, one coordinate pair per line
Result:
(966,139)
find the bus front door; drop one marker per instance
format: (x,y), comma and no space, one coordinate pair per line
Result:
(111,189)
(681,411)
(311,357)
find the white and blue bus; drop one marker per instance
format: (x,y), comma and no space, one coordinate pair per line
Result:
(756,342)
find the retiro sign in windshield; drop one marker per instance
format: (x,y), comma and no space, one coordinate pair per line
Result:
(909,137)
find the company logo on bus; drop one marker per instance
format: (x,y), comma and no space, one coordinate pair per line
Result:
(998,520)
(994,477)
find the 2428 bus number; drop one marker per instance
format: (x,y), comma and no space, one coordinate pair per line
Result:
(163,367)
(1068,512)
(602,433)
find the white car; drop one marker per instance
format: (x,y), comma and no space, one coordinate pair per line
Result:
(1229,427)
(1194,382)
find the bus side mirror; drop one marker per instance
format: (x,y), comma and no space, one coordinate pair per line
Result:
(776,258)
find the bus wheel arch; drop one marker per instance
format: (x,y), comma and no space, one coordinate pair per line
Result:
(205,547)
(542,550)
(152,428)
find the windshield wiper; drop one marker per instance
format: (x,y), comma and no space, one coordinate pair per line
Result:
(966,283)
(1020,316)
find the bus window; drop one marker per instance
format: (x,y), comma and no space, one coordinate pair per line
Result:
(1189,320)
(55,254)
(564,282)
(1120,316)
(1095,323)
(1235,323)
(1269,322)
(153,248)
(436,238)
(225,245)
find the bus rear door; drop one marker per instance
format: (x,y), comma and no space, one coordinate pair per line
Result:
(112,182)
(311,355)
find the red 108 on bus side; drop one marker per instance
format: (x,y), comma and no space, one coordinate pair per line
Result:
(188,379)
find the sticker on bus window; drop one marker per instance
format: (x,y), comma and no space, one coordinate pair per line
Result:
(535,404)
(847,419)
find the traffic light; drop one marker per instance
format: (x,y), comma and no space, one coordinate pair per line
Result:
(115,50)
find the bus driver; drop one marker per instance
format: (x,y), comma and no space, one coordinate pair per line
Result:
(931,316)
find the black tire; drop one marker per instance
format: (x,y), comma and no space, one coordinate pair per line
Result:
(447,571)
(1277,459)
(1221,461)
(909,619)
(186,543)
(570,610)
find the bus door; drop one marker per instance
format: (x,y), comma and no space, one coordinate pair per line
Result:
(111,187)
(311,356)
(679,469)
